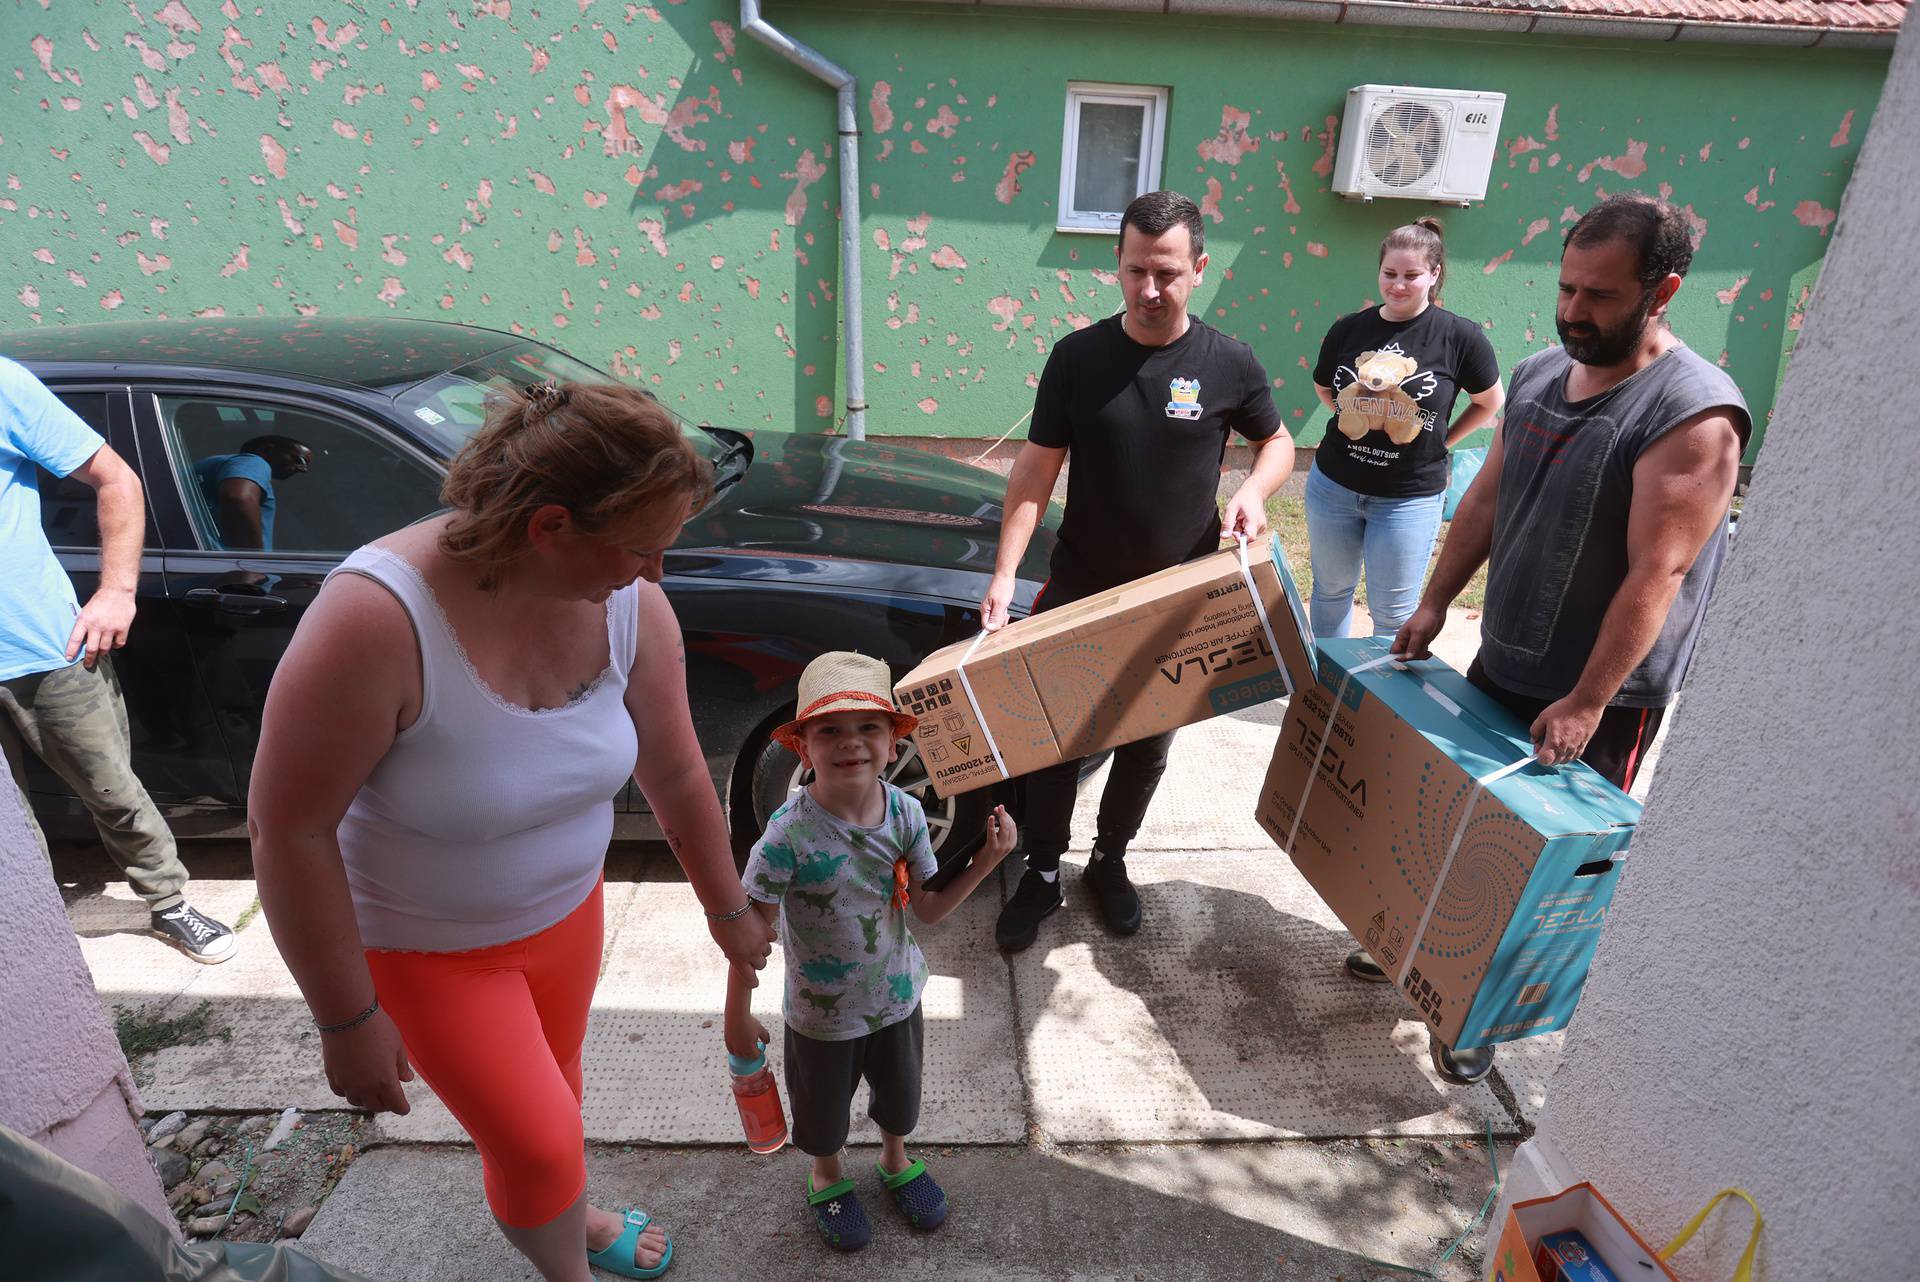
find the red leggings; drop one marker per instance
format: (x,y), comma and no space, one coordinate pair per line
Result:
(496,1032)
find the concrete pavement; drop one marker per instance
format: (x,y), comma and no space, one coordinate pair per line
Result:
(1211,1098)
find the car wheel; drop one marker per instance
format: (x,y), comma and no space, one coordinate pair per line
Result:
(955,825)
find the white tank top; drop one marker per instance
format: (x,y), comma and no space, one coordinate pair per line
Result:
(485,822)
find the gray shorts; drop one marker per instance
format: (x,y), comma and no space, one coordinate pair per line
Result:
(822,1076)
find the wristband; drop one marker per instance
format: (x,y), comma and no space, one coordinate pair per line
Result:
(355,1022)
(735,915)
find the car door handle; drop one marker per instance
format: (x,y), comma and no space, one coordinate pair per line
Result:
(236,602)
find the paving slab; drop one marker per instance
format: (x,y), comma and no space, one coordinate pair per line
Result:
(1228,1016)
(654,1061)
(1272,1211)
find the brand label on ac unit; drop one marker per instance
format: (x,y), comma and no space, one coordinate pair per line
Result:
(1475,120)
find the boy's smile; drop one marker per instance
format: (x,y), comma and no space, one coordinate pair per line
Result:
(846,752)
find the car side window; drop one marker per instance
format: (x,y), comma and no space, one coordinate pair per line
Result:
(291,479)
(69,511)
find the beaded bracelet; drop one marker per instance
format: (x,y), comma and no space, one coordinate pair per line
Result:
(735,915)
(355,1022)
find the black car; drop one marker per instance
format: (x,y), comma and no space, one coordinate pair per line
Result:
(812,543)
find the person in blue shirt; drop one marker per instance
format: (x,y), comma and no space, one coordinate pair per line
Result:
(238,487)
(59,697)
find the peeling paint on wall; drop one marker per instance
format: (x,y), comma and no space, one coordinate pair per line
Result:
(636,181)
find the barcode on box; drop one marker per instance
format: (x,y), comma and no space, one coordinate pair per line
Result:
(1531,995)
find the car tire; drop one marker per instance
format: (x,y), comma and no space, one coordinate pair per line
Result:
(771,775)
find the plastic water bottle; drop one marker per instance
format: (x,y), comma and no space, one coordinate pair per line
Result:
(757,1095)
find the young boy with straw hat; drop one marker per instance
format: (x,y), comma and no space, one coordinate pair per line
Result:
(839,864)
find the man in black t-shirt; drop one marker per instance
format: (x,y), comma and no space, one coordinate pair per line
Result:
(1144,402)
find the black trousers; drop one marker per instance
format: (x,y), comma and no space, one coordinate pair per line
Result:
(1047,826)
(1619,745)
(1046,813)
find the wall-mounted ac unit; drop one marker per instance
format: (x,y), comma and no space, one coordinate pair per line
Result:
(1419,144)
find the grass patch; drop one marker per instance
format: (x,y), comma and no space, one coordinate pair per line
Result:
(142,1034)
(252,911)
(1287,515)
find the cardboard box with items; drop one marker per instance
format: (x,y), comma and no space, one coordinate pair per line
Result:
(1212,636)
(1576,1235)
(1476,877)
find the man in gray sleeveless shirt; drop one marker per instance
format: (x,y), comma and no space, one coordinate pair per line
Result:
(1601,511)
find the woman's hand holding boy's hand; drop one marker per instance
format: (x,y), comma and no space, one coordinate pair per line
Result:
(746,940)
(1002,836)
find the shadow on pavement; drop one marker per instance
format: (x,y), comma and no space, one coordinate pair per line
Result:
(1078,1214)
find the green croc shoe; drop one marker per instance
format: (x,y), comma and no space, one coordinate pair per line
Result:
(839,1216)
(920,1199)
(618,1256)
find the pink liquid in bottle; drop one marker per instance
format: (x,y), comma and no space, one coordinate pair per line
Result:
(757,1095)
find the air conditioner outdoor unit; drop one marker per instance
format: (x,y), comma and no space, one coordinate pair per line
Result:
(1418,144)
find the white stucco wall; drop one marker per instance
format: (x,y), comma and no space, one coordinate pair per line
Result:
(1753,1017)
(63,1080)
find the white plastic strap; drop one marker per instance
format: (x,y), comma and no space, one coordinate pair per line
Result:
(1333,711)
(1446,865)
(979,718)
(1260,608)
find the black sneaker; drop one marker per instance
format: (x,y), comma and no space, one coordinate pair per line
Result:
(193,933)
(1362,966)
(1106,877)
(1020,920)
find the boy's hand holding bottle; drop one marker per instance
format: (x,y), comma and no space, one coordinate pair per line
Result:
(744,1034)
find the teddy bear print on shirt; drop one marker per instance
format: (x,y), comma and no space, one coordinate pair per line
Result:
(1381,391)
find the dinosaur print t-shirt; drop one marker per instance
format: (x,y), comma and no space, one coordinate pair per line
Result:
(1394,385)
(852,965)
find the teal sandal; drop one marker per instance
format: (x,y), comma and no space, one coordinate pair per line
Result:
(618,1256)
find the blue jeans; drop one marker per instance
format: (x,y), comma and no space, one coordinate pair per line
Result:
(1394,537)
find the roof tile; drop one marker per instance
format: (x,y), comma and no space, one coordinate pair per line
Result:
(1856,15)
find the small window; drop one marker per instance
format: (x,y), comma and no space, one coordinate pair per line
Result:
(285,479)
(1111,152)
(69,508)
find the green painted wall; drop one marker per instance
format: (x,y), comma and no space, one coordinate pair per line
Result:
(642,187)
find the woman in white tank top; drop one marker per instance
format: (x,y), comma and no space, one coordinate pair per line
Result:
(432,797)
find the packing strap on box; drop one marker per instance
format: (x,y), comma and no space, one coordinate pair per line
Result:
(979,717)
(1266,624)
(1480,785)
(1743,1272)
(1333,711)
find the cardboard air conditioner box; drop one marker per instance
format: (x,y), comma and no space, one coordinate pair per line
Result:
(1478,878)
(1160,652)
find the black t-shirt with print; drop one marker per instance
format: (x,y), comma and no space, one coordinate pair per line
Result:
(1147,429)
(1418,368)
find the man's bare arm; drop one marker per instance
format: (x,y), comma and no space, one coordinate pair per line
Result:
(107,616)
(1029,486)
(241,522)
(1468,543)
(1682,484)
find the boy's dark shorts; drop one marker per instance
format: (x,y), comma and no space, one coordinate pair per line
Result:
(822,1076)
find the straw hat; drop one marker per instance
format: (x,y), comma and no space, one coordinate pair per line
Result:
(842,681)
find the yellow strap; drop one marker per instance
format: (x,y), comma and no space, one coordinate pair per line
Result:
(1744,1273)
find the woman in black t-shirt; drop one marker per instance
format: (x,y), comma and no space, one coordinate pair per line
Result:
(1391,375)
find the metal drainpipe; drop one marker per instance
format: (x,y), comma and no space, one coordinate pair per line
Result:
(843,82)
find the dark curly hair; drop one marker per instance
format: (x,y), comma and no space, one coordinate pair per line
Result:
(1657,231)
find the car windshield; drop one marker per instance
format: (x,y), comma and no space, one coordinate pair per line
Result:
(448,408)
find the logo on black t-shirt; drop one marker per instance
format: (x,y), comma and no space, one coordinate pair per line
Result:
(1186,398)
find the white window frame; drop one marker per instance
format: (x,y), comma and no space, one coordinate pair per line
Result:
(1153,134)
